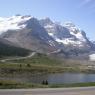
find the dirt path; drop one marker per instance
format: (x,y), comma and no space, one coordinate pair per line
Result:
(17,58)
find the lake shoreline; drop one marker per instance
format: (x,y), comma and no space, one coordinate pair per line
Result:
(17,85)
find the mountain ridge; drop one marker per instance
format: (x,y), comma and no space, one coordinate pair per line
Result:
(44,35)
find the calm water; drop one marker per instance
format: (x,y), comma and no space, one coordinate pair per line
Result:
(71,78)
(54,78)
(66,78)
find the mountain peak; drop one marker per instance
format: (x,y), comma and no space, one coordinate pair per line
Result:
(46,21)
(69,24)
(74,30)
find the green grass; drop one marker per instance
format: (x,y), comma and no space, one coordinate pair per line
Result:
(40,63)
(39,59)
(28,68)
(14,84)
(72,85)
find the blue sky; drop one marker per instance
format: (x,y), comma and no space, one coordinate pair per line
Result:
(80,12)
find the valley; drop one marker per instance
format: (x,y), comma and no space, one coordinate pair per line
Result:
(33,50)
(31,71)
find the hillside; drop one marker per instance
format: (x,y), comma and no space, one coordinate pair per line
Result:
(7,50)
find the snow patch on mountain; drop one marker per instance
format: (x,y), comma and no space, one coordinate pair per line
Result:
(67,34)
(74,31)
(13,23)
(92,57)
(69,41)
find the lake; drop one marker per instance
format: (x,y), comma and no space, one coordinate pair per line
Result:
(61,78)
(57,78)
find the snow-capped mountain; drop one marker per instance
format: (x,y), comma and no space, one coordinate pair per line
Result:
(44,35)
(13,23)
(26,32)
(67,34)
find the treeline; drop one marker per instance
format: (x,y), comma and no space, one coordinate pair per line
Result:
(8,50)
